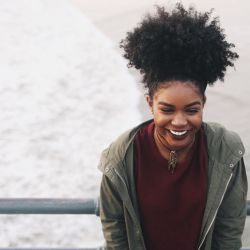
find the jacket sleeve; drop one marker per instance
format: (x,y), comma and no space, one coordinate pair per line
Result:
(230,220)
(112,218)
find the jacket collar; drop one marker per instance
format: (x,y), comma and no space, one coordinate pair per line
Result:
(223,146)
(116,152)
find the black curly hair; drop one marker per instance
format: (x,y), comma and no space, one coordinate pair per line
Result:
(180,45)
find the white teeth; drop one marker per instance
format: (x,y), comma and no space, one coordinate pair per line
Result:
(178,133)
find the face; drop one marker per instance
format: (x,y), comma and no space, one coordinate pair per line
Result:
(177,109)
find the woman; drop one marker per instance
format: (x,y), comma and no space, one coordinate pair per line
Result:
(175,182)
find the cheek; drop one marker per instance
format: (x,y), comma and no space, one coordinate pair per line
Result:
(197,121)
(161,120)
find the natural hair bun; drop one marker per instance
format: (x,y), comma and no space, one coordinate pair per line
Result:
(180,42)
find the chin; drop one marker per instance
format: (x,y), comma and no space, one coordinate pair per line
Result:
(173,145)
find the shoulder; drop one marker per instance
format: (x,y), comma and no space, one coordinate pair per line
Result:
(117,150)
(223,143)
(216,133)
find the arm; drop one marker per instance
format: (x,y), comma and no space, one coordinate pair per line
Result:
(230,220)
(112,218)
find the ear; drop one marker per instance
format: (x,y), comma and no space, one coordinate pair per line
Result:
(150,103)
(204,100)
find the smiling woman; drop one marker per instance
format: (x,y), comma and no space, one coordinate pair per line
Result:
(177,108)
(175,182)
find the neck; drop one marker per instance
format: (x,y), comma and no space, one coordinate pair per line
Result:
(167,152)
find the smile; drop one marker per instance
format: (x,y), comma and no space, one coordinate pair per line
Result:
(178,133)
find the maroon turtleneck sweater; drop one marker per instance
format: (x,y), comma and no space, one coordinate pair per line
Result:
(171,205)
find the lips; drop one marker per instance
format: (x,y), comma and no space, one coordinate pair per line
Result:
(179,135)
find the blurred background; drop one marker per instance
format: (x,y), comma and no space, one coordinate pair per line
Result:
(66,93)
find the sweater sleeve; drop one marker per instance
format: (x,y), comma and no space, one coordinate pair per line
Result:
(112,218)
(230,220)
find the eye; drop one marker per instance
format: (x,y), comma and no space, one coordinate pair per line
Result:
(192,111)
(167,110)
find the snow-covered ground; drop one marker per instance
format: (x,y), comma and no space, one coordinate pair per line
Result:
(65,94)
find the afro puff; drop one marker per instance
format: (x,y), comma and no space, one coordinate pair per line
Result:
(179,45)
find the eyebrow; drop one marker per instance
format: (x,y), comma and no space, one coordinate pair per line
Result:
(188,105)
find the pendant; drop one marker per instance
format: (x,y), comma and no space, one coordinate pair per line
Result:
(172,162)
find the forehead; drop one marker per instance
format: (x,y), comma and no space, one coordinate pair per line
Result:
(176,91)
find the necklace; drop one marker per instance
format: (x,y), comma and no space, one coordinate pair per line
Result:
(172,162)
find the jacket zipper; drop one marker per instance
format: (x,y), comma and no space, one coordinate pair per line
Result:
(118,174)
(215,212)
(120,177)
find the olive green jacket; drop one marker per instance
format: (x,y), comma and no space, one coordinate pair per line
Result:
(225,211)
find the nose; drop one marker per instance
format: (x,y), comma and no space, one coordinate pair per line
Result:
(179,120)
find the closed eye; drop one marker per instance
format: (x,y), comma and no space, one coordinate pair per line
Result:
(167,110)
(192,110)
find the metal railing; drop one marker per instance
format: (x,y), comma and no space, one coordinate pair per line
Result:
(49,206)
(56,206)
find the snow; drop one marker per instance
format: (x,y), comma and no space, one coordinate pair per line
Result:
(65,94)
